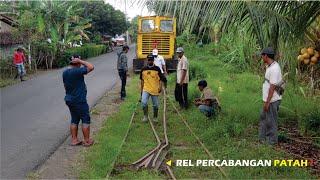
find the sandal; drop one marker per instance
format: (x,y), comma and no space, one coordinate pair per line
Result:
(88,143)
(76,144)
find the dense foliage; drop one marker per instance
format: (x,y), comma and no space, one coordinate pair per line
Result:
(50,28)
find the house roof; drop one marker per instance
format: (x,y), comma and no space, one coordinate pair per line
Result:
(7,38)
(8,20)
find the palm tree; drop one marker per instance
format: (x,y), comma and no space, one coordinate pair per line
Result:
(268,21)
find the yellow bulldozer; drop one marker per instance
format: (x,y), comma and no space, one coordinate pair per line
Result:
(156,32)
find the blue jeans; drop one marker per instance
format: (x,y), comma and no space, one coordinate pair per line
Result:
(21,70)
(144,101)
(207,110)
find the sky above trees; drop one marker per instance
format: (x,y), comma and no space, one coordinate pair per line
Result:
(133,8)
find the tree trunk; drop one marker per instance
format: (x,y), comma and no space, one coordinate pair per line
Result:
(51,61)
(46,58)
(29,55)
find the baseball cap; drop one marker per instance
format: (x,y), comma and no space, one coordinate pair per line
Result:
(179,50)
(155,52)
(268,50)
(150,57)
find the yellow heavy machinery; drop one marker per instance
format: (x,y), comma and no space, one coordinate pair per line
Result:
(156,32)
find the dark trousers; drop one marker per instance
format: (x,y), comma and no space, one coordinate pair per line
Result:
(123,77)
(181,95)
(268,126)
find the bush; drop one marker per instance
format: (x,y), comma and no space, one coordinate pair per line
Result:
(86,51)
(197,72)
(6,68)
(311,123)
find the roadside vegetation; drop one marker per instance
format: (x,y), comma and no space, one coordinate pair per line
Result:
(50,31)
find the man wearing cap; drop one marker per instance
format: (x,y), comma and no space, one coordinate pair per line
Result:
(268,126)
(207,103)
(76,98)
(181,90)
(122,66)
(159,61)
(151,77)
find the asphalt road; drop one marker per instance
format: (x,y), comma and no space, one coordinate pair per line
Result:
(35,119)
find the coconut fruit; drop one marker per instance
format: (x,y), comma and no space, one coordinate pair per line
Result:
(310,51)
(316,54)
(314,59)
(306,61)
(305,56)
(303,50)
(300,58)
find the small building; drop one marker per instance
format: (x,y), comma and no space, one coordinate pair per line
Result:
(8,42)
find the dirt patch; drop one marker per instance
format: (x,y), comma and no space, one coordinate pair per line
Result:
(64,163)
(300,147)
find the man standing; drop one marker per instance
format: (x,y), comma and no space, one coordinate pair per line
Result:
(76,98)
(181,90)
(159,61)
(122,67)
(268,127)
(151,78)
(207,103)
(18,60)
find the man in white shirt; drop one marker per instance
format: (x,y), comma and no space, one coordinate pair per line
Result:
(159,61)
(268,127)
(181,90)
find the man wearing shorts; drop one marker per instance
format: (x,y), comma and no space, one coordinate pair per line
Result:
(76,98)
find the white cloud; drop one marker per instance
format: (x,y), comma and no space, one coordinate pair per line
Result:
(133,8)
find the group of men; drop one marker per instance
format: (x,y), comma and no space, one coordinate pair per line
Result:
(153,77)
(154,72)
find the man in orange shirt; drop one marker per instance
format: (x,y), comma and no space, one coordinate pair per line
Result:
(18,60)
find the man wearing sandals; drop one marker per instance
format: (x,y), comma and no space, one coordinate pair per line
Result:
(76,98)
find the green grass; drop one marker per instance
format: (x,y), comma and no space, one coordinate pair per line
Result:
(232,135)
(100,157)
(7,81)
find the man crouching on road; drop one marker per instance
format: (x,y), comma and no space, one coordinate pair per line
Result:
(151,77)
(268,127)
(207,103)
(76,98)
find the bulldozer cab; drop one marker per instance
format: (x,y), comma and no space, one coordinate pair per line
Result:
(156,32)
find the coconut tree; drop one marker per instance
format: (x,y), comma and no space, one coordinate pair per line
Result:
(268,21)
